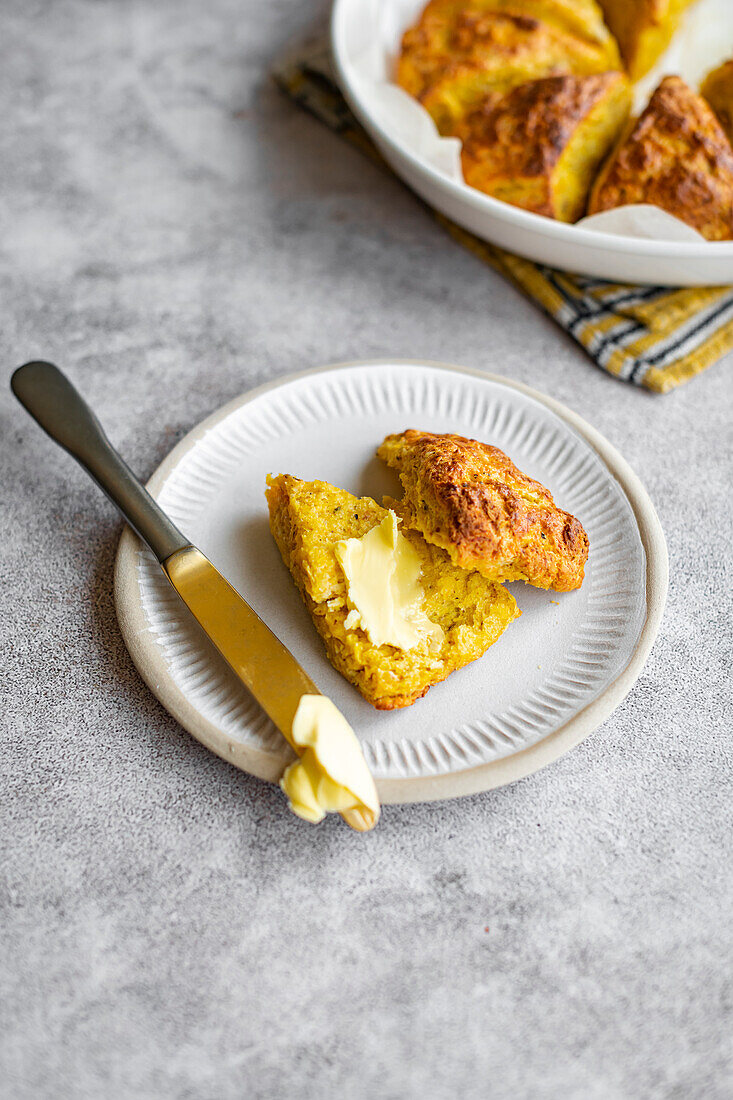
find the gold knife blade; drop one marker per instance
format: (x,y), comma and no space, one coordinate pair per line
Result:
(247,644)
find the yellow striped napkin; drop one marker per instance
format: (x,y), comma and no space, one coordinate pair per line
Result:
(656,337)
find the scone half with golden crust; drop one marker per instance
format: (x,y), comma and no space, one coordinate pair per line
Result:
(308,520)
(674,156)
(471,500)
(540,145)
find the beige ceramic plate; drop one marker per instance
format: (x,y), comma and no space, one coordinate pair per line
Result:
(549,681)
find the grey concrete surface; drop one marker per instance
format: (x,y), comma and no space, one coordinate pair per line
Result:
(174,232)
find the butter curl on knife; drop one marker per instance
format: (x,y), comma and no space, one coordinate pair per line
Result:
(331,774)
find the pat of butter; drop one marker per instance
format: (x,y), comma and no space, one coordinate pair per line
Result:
(331,775)
(384,593)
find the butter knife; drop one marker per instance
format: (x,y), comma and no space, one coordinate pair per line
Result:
(259,659)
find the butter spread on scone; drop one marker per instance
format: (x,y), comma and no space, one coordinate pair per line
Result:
(308,520)
(331,774)
(384,595)
(675,156)
(471,500)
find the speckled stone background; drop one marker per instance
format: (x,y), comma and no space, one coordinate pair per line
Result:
(174,232)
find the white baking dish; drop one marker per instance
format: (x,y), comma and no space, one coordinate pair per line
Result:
(365,36)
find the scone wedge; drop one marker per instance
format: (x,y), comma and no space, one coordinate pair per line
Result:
(675,156)
(540,145)
(643,29)
(308,520)
(717,89)
(471,500)
(461,52)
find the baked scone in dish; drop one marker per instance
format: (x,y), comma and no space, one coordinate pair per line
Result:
(540,145)
(462,51)
(470,499)
(310,522)
(643,29)
(675,156)
(717,89)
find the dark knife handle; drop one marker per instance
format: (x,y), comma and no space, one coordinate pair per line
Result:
(61,411)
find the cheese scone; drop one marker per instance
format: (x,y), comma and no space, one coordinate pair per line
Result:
(717,89)
(643,29)
(540,145)
(308,520)
(471,500)
(461,52)
(675,156)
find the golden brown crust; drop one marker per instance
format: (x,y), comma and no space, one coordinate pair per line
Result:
(677,157)
(540,145)
(717,89)
(307,519)
(470,499)
(643,29)
(460,52)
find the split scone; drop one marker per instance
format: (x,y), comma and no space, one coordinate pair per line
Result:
(470,499)
(540,145)
(717,89)
(462,51)
(643,29)
(675,156)
(465,612)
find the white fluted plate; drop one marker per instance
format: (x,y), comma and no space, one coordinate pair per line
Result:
(554,675)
